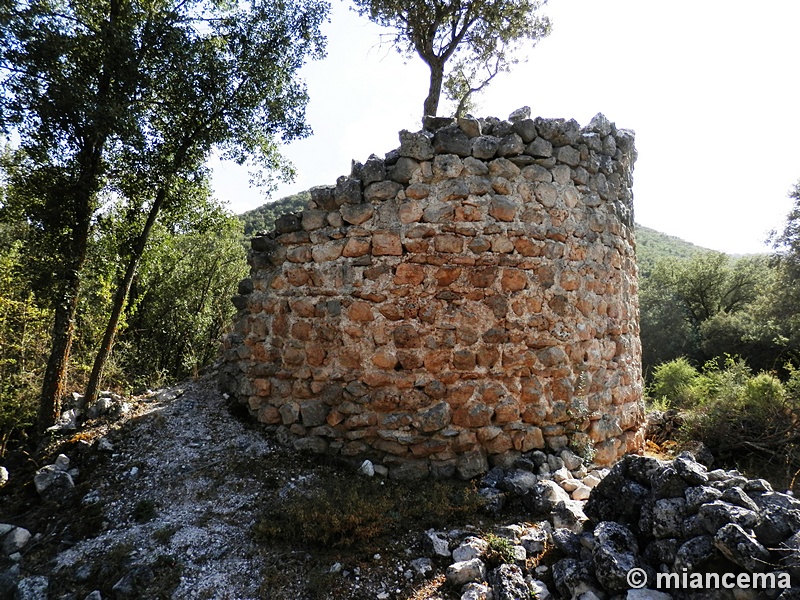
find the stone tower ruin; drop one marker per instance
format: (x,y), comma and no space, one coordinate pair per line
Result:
(468,298)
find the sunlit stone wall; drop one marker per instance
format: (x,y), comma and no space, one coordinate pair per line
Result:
(468,298)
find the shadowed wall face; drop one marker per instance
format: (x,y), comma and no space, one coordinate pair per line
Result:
(467,299)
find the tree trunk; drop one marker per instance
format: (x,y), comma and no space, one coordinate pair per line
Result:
(82,204)
(435,90)
(55,376)
(120,298)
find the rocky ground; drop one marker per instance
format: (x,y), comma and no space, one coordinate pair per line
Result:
(170,495)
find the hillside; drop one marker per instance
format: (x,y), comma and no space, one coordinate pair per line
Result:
(263,217)
(651,245)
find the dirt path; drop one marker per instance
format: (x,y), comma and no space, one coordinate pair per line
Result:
(182,486)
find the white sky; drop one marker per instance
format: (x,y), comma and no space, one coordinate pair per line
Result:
(709,86)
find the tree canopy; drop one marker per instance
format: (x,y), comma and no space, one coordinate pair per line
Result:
(124,99)
(479,37)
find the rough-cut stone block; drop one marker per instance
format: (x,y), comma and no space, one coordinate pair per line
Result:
(546,194)
(314,219)
(479,245)
(483,278)
(485,147)
(434,418)
(328,251)
(386,244)
(418,191)
(347,191)
(323,197)
(539,148)
(356,214)
(569,155)
(487,357)
(503,208)
(506,411)
(381,191)
(313,413)
(416,145)
(471,464)
(409,212)
(406,336)
(473,414)
(360,311)
(355,247)
(510,145)
(403,170)
(452,244)
(453,189)
(464,360)
(447,166)
(526,129)
(268,415)
(409,274)
(451,140)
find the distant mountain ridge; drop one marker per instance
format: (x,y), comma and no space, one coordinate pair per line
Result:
(651,245)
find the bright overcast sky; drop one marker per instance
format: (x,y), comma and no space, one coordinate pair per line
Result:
(709,86)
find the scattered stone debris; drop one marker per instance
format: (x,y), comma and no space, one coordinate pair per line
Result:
(54,482)
(183,522)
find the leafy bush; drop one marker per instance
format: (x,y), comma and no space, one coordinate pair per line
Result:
(180,303)
(673,383)
(744,418)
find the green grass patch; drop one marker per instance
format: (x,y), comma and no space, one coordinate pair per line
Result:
(500,551)
(348,511)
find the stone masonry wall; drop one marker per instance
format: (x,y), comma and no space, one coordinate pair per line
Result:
(467,299)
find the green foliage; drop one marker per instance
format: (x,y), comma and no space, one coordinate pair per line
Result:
(653,246)
(743,418)
(480,37)
(787,242)
(674,381)
(582,445)
(124,100)
(171,329)
(500,551)
(708,306)
(343,512)
(24,331)
(665,332)
(263,218)
(180,303)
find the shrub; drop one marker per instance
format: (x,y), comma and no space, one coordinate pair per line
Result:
(745,418)
(673,383)
(500,551)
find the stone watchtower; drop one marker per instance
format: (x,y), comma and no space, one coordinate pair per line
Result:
(468,298)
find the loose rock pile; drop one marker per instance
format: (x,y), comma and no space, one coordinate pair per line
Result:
(678,517)
(76,411)
(655,516)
